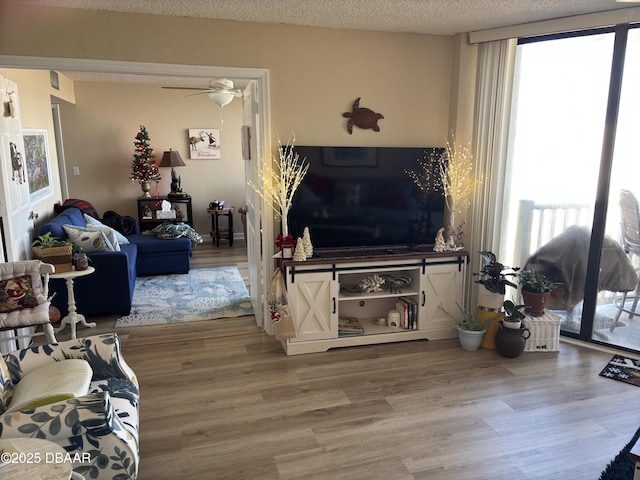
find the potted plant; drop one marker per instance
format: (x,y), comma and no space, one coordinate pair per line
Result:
(536,289)
(51,250)
(493,275)
(513,315)
(512,335)
(470,330)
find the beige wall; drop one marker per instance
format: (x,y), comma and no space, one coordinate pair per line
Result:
(315,75)
(34,92)
(99,131)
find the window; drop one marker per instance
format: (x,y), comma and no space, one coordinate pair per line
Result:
(563,178)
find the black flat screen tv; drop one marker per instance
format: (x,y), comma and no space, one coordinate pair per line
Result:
(362,196)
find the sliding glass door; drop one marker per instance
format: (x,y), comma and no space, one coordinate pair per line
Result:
(617,316)
(561,175)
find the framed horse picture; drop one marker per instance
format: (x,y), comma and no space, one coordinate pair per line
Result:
(204,143)
(38,163)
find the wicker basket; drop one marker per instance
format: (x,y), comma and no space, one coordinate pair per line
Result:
(545,333)
(59,257)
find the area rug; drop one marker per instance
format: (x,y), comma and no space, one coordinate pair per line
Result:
(202,294)
(623,369)
(621,467)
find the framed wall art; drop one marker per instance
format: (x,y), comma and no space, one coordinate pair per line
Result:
(37,161)
(204,143)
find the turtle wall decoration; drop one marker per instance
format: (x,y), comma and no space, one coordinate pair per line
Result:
(362,117)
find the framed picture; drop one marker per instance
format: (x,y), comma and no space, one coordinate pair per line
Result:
(38,163)
(204,143)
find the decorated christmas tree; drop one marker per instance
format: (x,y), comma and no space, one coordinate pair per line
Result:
(143,168)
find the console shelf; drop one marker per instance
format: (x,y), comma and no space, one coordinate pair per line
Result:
(317,302)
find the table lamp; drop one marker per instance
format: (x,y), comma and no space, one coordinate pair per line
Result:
(172,159)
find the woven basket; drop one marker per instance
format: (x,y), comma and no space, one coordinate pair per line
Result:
(59,257)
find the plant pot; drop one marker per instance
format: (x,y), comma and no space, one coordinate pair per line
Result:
(511,324)
(510,342)
(489,303)
(535,302)
(470,339)
(489,300)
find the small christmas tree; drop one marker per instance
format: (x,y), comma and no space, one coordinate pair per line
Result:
(143,168)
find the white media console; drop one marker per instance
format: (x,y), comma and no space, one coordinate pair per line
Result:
(321,290)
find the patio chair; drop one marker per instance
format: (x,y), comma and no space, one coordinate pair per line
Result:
(630,227)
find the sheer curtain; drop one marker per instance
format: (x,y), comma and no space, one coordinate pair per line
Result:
(496,62)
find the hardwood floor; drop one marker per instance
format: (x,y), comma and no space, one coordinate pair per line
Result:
(220,400)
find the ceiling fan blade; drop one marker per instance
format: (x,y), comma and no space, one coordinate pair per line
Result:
(188,88)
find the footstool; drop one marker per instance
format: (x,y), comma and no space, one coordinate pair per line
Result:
(157,256)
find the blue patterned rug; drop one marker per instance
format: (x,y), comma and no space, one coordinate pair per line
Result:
(202,294)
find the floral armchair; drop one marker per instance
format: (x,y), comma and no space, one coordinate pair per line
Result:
(101,426)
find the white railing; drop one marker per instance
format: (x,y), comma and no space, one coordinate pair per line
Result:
(538,223)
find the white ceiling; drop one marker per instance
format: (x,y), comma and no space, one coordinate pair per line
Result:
(440,17)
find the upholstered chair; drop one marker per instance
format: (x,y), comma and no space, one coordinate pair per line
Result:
(97,423)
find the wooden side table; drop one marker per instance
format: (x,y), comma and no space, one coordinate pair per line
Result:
(216,232)
(73,317)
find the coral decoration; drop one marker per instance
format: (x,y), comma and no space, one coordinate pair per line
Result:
(143,169)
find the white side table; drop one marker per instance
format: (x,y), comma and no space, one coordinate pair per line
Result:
(29,458)
(73,317)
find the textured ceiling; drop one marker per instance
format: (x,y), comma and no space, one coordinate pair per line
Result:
(440,17)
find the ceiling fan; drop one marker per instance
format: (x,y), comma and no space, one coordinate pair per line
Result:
(220,91)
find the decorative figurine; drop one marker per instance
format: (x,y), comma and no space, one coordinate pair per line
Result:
(440,245)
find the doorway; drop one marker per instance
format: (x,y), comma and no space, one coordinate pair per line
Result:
(259,76)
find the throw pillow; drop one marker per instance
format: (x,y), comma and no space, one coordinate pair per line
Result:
(16,294)
(89,241)
(6,385)
(93,222)
(108,232)
(51,383)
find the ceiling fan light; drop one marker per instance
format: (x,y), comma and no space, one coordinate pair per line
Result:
(220,98)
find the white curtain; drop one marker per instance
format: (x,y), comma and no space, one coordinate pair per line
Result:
(496,62)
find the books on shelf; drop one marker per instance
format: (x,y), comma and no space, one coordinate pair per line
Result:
(349,326)
(408,309)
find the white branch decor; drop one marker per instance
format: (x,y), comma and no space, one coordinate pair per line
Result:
(280,186)
(456,174)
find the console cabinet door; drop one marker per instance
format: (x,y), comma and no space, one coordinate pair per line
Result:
(314,298)
(442,286)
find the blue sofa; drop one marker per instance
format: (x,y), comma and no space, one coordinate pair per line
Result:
(110,289)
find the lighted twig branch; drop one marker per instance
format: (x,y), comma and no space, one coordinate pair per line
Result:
(280,186)
(450,172)
(457,176)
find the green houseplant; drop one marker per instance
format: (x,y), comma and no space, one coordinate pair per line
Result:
(494,275)
(51,250)
(513,314)
(536,289)
(470,330)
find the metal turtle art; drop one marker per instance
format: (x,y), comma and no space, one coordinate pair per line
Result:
(362,117)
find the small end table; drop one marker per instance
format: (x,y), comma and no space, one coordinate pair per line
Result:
(73,317)
(216,232)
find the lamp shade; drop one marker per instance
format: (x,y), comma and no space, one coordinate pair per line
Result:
(220,98)
(171,158)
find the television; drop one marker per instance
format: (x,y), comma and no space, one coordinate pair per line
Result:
(362,196)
